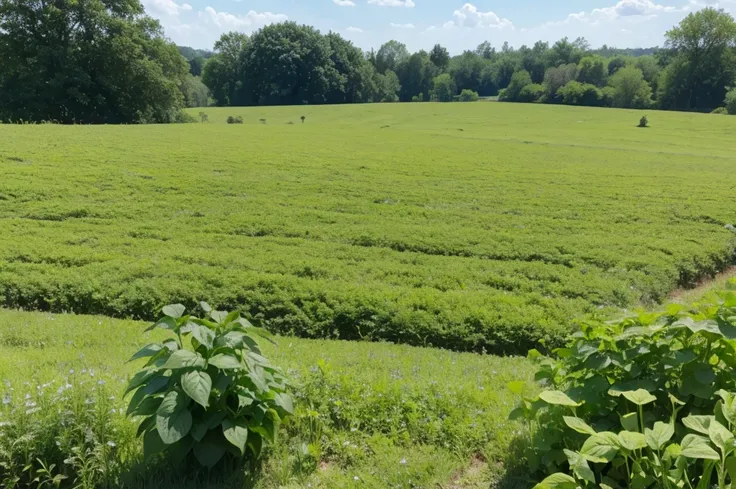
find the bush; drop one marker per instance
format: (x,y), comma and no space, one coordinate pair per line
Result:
(576,93)
(418,98)
(679,364)
(210,395)
(443,88)
(533,93)
(643,122)
(468,96)
(234,120)
(731,102)
(519,80)
(720,110)
(184,118)
(203,117)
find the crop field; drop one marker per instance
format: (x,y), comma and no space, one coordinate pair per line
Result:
(474,227)
(371,415)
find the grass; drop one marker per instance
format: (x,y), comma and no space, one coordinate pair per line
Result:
(391,416)
(467,226)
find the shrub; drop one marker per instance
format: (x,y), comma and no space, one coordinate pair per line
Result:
(720,110)
(678,363)
(576,93)
(532,93)
(234,120)
(519,80)
(468,96)
(210,395)
(731,102)
(303,119)
(184,118)
(443,88)
(643,122)
(631,89)
(203,117)
(418,98)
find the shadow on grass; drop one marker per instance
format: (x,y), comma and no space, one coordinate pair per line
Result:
(229,473)
(516,474)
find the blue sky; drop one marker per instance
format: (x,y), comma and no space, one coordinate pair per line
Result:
(456,24)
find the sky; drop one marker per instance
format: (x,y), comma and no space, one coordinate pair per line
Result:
(421,24)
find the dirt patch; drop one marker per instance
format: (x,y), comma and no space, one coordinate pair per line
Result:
(469,476)
(687,295)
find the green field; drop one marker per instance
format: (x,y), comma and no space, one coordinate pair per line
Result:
(466,226)
(388,415)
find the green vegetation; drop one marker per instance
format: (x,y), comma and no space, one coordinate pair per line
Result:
(366,414)
(465,226)
(659,377)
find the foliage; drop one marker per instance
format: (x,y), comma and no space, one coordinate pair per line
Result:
(196,94)
(533,93)
(557,77)
(576,93)
(390,56)
(440,56)
(468,96)
(96,62)
(208,390)
(703,63)
(643,122)
(443,88)
(416,76)
(91,229)
(184,118)
(386,414)
(731,102)
(593,70)
(513,92)
(631,89)
(653,374)
(720,111)
(234,120)
(222,72)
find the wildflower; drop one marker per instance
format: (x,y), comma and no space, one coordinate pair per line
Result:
(101,382)
(403,461)
(6,399)
(111,444)
(71,371)
(356,478)
(30,404)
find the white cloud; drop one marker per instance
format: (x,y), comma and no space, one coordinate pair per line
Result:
(393,3)
(402,26)
(624,8)
(354,29)
(470,16)
(166,8)
(344,3)
(250,21)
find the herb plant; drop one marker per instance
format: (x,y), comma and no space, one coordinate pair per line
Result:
(208,390)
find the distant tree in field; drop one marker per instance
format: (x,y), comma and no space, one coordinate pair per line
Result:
(576,93)
(731,102)
(485,50)
(354,82)
(557,77)
(502,69)
(617,63)
(703,61)
(390,56)
(532,93)
(631,89)
(416,75)
(196,94)
(564,52)
(593,70)
(93,61)
(650,69)
(533,60)
(440,57)
(443,88)
(467,70)
(222,72)
(468,96)
(387,87)
(521,79)
(287,64)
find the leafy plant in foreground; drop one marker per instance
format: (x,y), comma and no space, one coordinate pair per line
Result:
(208,390)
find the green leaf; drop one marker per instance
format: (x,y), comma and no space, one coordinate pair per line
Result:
(730,466)
(630,422)
(640,397)
(601,447)
(660,435)
(204,335)
(199,429)
(173,310)
(164,323)
(218,316)
(721,437)
(517,387)
(579,466)
(147,407)
(205,307)
(173,419)
(152,444)
(211,449)
(225,361)
(197,385)
(631,440)
(285,402)
(236,433)
(147,351)
(231,339)
(263,333)
(184,359)
(728,407)
(140,378)
(557,481)
(578,425)
(697,447)
(557,398)
(701,424)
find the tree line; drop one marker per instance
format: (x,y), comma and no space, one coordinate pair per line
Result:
(106,61)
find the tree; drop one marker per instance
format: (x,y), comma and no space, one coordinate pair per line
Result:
(631,89)
(564,52)
(557,77)
(576,93)
(222,72)
(354,83)
(92,62)
(466,70)
(485,50)
(440,57)
(521,79)
(196,65)
(390,56)
(387,87)
(617,63)
(416,75)
(533,60)
(651,70)
(468,96)
(443,88)
(196,94)
(731,102)
(704,62)
(288,64)
(593,70)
